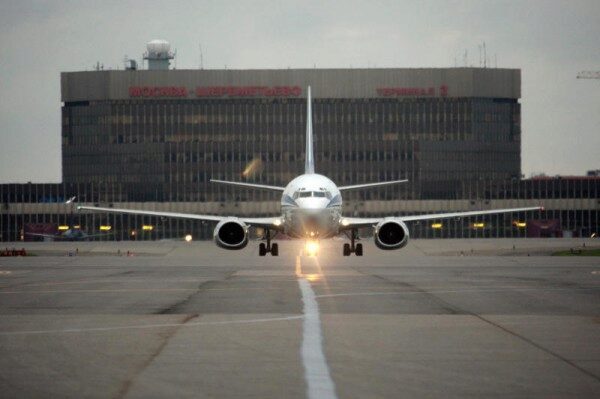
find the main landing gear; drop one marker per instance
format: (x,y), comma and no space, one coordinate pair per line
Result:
(357,249)
(263,248)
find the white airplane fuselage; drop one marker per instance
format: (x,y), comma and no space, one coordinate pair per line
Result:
(311,207)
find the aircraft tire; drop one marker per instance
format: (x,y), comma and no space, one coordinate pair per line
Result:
(274,249)
(346,249)
(359,250)
(262,249)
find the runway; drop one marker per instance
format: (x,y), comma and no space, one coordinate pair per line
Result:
(442,318)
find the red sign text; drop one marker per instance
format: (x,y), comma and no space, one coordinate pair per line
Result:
(411,91)
(248,91)
(157,91)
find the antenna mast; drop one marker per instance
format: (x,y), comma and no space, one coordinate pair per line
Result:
(484,56)
(201,57)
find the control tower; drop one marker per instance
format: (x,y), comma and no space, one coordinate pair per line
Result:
(158,54)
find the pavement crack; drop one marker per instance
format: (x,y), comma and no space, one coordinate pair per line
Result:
(538,346)
(177,307)
(125,388)
(173,309)
(457,310)
(444,305)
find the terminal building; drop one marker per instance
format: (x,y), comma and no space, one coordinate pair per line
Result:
(161,135)
(154,138)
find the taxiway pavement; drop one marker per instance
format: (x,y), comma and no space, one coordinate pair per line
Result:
(442,318)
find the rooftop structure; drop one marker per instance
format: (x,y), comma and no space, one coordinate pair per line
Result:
(158,53)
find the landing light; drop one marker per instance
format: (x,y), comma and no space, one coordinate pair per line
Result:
(345,222)
(277,222)
(188,238)
(312,247)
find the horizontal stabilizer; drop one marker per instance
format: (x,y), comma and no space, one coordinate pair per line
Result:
(248,185)
(367,185)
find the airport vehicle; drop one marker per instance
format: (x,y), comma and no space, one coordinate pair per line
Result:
(311,209)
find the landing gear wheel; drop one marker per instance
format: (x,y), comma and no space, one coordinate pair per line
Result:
(352,247)
(262,249)
(347,249)
(359,250)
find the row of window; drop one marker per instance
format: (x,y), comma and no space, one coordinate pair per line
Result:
(88,138)
(157,122)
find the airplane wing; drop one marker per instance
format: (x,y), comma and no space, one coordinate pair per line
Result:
(271,222)
(248,185)
(367,185)
(53,236)
(349,223)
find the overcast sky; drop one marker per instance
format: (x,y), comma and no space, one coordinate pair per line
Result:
(550,41)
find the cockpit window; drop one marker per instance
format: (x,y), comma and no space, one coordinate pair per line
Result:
(307,194)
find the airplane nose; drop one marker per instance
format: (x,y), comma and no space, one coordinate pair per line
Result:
(312,203)
(312,225)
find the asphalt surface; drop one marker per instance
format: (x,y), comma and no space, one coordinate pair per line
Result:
(439,319)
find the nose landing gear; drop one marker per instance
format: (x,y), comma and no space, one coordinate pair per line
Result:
(357,249)
(263,248)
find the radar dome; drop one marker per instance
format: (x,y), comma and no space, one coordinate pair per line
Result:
(158,55)
(158,48)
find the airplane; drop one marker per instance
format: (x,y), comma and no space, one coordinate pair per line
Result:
(311,209)
(72,233)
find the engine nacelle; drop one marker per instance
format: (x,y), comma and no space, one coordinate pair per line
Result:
(391,234)
(231,234)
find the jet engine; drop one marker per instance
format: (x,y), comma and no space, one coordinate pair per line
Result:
(231,234)
(391,234)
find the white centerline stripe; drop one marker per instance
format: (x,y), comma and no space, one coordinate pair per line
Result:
(316,371)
